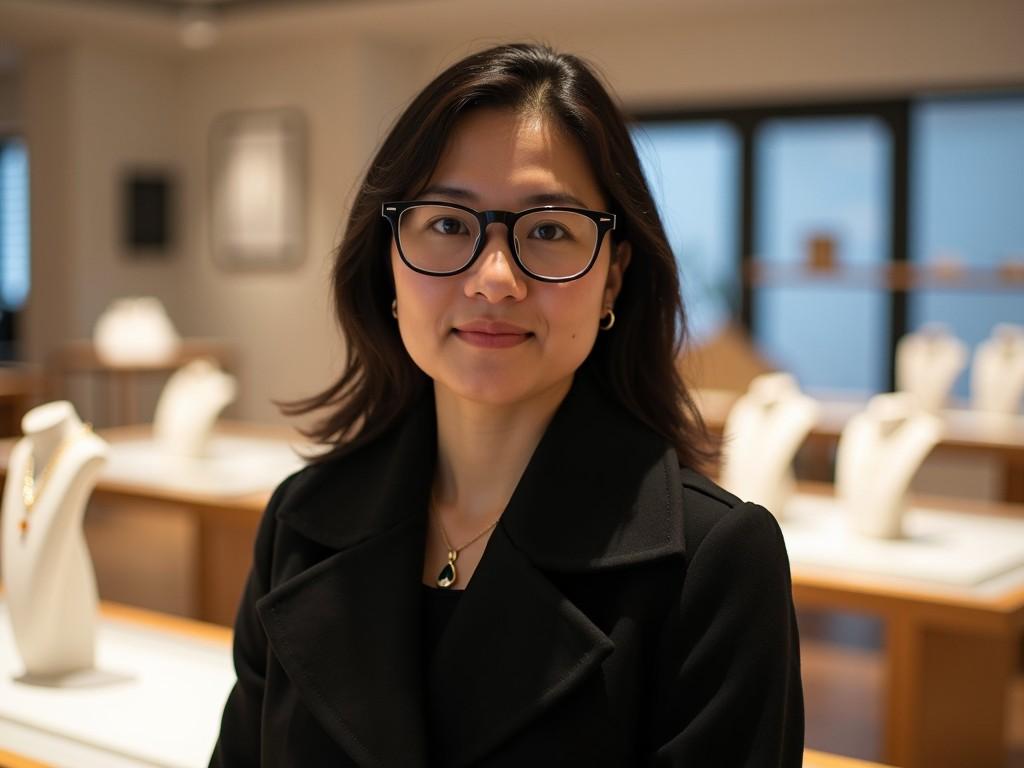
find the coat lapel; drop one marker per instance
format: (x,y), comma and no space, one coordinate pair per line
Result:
(601,491)
(346,632)
(514,646)
(347,629)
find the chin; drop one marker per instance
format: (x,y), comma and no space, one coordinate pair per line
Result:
(489,388)
(502,387)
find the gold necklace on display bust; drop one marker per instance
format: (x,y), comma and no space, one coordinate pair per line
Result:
(31,488)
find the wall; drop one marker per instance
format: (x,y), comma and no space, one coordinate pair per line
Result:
(9,101)
(89,114)
(127,110)
(659,55)
(46,114)
(348,91)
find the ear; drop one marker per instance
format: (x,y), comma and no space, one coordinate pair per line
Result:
(616,272)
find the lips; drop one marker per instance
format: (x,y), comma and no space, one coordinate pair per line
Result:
(492,327)
(491,334)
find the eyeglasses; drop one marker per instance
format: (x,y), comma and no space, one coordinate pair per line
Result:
(552,244)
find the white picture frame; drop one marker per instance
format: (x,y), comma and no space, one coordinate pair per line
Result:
(257,189)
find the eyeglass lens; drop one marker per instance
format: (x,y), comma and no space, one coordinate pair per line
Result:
(553,244)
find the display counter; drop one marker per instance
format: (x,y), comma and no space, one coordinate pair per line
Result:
(165,711)
(951,598)
(951,640)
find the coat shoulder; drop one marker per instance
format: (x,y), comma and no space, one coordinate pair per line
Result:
(698,488)
(706,505)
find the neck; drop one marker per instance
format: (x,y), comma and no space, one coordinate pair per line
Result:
(48,430)
(483,449)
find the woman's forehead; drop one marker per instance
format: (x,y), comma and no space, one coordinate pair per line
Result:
(500,157)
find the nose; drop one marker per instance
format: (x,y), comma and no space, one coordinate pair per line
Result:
(495,275)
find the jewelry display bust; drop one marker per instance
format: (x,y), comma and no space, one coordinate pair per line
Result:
(997,373)
(47,572)
(189,406)
(763,432)
(879,452)
(135,331)
(927,364)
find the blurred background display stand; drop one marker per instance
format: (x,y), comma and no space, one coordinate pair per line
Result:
(991,443)
(880,451)
(116,394)
(47,572)
(175,533)
(928,362)
(997,373)
(764,430)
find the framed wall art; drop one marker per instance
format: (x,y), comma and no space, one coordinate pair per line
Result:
(258,189)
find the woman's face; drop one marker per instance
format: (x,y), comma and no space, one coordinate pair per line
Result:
(491,334)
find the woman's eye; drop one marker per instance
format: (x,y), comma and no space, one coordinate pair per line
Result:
(449,227)
(548,232)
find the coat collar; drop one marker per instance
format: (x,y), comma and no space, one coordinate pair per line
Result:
(601,490)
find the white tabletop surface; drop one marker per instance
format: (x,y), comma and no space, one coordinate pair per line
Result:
(166,714)
(233,465)
(941,547)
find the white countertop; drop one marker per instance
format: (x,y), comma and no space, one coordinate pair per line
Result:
(941,547)
(167,713)
(233,465)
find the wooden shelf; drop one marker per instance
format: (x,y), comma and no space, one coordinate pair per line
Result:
(893,276)
(80,356)
(116,394)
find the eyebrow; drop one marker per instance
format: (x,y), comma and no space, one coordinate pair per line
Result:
(544,198)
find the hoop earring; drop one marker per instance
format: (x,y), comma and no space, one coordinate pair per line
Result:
(610,317)
(394,308)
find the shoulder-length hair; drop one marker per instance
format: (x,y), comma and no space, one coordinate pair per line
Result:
(636,361)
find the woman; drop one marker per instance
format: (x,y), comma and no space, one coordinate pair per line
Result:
(508,558)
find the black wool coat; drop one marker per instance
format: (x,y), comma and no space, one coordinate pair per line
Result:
(625,612)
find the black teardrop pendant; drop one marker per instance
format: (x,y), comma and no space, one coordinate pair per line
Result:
(447,575)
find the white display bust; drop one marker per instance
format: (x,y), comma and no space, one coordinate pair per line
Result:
(927,364)
(763,432)
(879,452)
(47,572)
(997,373)
(189,406)
(135,331)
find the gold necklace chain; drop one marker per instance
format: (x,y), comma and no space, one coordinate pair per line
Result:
(30,488)
(446,578)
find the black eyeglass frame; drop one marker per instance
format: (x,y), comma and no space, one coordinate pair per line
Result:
(393,213)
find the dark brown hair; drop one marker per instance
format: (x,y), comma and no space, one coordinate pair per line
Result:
(636,361)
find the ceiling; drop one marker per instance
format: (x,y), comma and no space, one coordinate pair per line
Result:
(177,6)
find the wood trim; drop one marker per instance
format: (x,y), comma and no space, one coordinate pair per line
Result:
(163,622)
(899,276)
(812,759)
(11,760)
(815,759)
